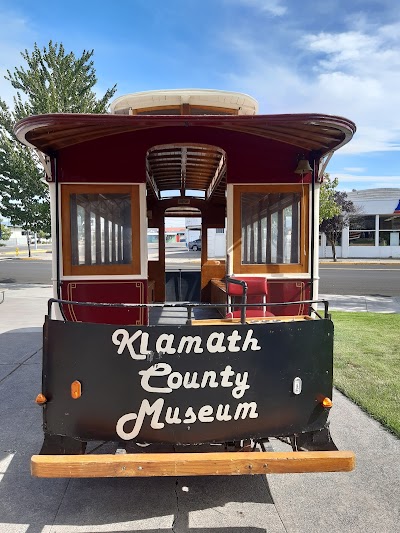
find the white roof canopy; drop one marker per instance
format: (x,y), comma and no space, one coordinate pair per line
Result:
(242,103)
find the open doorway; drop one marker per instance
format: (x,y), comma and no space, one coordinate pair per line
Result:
(183,248)
(192,256)
(186,186)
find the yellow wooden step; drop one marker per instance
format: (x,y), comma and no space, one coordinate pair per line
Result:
(189,464)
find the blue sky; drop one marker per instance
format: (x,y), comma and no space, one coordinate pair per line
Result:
(337,57)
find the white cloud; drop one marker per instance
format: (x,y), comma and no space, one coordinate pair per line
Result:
(273,7)
(354,169)
(371,138)
(350,181)
(360,73)
(346,50)
(354,73)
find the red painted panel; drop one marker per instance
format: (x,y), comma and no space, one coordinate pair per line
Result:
(251,159)
(105,291)
(289,291)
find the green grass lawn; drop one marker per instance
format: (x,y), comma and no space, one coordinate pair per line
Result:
(367,363)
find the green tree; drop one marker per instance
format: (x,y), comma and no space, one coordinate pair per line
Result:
(52,81)
(335,211)
(328,208)
(5,233)
(24,193)
(56,82)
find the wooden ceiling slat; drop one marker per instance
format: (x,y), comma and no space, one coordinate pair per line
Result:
(183,167)
(155,166)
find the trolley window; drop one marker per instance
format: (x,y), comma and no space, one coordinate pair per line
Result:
(103,229)
(270,229)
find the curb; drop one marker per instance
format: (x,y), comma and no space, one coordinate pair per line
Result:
(362,262)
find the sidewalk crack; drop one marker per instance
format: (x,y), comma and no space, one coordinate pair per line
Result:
(176,517)
(59,506)
(20,364)
(265,481)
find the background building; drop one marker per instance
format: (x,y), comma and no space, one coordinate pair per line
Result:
(374,232)
(17,238)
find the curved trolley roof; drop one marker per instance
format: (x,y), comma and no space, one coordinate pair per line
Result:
(309,132)
(197,164)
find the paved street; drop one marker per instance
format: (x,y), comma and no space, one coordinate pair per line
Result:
(363,500)
(361,279)
(373,279)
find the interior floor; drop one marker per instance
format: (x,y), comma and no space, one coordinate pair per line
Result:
(159,316)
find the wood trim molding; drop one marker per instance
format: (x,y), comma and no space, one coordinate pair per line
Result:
(89,270)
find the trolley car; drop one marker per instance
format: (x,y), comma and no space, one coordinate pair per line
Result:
(188,373)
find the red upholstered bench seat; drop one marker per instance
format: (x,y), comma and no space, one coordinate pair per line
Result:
(256,293)
(255,286)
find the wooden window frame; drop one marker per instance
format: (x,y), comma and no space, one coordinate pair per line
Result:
(266,268)
(91,270)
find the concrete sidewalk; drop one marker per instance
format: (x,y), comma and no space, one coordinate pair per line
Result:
(371,304)
(366,499)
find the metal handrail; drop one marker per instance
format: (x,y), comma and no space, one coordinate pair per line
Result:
(188,305)
(243,284)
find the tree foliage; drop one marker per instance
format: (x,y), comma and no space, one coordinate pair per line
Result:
(24,193)
(52,81)
(328,208)
(5,233)
(56,82)
(335,211)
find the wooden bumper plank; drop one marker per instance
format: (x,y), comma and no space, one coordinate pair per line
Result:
(252,320)
(189,464)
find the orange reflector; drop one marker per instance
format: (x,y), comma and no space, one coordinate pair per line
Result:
(327,402)
(76,390)
(41,399)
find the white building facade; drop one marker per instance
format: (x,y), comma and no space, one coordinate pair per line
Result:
(374,232)
(17,238)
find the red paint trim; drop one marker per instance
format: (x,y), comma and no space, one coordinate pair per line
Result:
(106,291)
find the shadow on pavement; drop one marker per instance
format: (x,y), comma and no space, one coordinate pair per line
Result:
(24,286)
(19,345)
(30,505)
(219,504)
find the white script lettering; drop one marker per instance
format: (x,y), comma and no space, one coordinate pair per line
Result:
(204,414)
(127,342)
(176,380)
(145,409)
(167,343)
